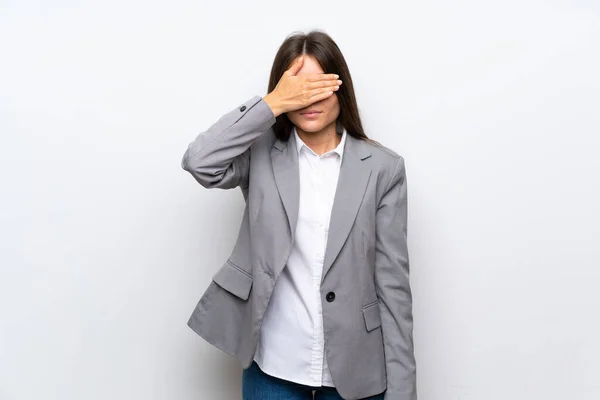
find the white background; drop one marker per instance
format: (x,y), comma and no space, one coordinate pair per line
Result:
(106,244)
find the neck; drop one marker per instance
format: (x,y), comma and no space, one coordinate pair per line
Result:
(321,141)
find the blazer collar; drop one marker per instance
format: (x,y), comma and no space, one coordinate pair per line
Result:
(300,144)
(355,171)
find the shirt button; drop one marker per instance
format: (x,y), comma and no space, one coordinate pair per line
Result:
(242,108)
(330,296)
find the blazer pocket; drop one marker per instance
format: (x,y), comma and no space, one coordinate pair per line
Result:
(372,316)
(234,279)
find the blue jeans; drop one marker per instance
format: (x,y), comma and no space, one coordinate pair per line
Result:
(257,385)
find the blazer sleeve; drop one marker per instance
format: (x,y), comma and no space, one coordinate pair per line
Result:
(393,288)
(220,156)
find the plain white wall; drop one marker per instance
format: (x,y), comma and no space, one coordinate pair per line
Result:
(106,244)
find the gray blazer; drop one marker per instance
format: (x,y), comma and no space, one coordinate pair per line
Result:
(365,289)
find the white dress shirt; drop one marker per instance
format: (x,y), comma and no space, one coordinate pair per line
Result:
(291,343)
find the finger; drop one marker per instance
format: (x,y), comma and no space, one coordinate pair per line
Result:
(321,94)
(323,84)
(296,66)
(314,77)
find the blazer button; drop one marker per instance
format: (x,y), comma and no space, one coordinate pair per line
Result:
(330,296)
(242,108)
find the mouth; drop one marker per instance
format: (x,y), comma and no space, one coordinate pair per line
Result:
(310,114)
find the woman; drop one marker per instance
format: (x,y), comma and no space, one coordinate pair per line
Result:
(315,296)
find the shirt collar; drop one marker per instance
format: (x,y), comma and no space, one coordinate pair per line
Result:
(300,144)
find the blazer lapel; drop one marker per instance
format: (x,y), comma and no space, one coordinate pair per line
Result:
(284,158)
(352,182)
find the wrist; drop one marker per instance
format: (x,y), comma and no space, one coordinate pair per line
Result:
(274,105)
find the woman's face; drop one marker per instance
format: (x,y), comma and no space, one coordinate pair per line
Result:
(328,109)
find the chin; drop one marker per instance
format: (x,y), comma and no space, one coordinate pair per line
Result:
(311,127)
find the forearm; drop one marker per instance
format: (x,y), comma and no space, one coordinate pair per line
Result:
(218,157)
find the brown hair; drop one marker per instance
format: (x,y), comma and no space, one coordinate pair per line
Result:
(321,46)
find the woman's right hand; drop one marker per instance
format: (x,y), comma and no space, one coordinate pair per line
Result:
(298,91)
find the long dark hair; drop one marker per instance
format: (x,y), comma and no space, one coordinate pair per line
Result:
(321,46)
